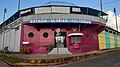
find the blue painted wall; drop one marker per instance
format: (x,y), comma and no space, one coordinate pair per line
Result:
(115,40)
(107,38)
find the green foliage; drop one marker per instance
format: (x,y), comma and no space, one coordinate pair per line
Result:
(106,19)
(99,14)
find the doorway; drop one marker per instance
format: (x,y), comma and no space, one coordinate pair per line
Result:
(60,40)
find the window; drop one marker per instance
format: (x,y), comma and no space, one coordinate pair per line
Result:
(45,34)
(106,30)
(75,39)
(110,31)
(30,35)
(56,9)
(43,10)
(114,32)
(76,9)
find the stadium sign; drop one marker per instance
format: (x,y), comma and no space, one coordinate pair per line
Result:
(60,20)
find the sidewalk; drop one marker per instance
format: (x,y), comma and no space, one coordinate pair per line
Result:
(50,59)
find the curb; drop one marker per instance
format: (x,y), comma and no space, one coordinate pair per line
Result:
(58,61)
(6,61)
(51,62)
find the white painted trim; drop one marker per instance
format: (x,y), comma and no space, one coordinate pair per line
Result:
(25,42)
(75,34)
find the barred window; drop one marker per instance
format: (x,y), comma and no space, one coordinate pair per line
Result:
(75,39)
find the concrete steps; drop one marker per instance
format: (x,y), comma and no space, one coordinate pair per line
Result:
(60,51)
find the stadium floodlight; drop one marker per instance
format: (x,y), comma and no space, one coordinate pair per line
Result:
(116,18)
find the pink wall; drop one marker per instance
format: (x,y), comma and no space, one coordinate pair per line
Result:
(90,43)
(38,41)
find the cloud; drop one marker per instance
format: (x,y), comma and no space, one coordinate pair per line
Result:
(112,21)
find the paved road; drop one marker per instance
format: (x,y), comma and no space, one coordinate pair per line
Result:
(2,64)
(107,60)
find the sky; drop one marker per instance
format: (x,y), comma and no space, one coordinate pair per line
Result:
(111,20)
(108,5)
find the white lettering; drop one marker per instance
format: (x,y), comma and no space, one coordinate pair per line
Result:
(59,20)
(39,20)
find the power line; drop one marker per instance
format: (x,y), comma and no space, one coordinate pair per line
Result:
(106,3)
(59,2)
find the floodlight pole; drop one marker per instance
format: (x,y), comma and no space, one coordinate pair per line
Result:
(4,14)
(101,7)
(5,11)
(18,5)
(116,18)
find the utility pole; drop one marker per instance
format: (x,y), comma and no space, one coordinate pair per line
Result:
(116,18)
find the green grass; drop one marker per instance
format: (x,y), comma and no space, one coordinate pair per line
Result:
(10,59)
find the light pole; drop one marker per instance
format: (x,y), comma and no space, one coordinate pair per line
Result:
(101,7)
(18,5)
(116,18)
(5,11)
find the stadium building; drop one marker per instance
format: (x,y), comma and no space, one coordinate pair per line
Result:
(53,29)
